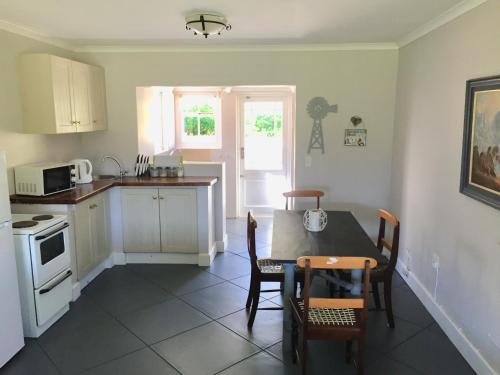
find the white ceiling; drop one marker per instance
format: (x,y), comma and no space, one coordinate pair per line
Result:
(102,22)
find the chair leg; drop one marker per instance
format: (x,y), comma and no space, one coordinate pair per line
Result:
(250,292)
(388,302)
(376,294)
(348,351)
(360,366)
(295,337)
(255,304)
(303,360)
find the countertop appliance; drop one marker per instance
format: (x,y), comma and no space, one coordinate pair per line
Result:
(83,170)
(11,328)
(44,178)
(44,269)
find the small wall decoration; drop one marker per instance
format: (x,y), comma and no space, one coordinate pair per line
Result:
(355,137)
(480,177)
(318,108)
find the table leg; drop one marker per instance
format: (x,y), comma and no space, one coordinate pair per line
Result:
(287,312)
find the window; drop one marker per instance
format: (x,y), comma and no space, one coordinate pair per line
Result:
(198,120)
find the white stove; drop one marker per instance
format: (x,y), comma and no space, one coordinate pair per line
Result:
(34,223)
(44,269)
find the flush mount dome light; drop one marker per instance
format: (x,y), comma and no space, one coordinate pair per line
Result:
(207,23)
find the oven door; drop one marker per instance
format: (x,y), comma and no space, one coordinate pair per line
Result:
(58,179)
(49,253)
(53,296)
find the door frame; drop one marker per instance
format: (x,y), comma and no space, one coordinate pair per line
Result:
(287,93)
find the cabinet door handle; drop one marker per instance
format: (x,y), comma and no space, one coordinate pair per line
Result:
(95,121)
(161,197)
(155,197)
(92,206)
(78,122)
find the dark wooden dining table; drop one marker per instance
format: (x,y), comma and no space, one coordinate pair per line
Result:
(342,236)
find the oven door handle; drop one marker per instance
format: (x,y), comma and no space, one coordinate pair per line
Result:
(48,289)
(37,238)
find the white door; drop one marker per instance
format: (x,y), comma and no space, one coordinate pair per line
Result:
(61,86)
(80,81)
(141,220)
(179,221)
(98,228)
(265,152)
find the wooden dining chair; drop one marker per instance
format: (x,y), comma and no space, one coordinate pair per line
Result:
(330,318)
(262,270)
(384,272)
(303,194)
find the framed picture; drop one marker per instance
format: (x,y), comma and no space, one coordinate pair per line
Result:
(355,137)
(480,178)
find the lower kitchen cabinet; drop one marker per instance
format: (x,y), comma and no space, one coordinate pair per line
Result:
(178,220)
(160,220)
(140,220)
(91,234)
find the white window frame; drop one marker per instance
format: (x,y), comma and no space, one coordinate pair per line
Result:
(197,142)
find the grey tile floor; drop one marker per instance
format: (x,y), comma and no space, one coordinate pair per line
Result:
(171,319)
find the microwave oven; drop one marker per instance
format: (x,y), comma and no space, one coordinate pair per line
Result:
(44,179)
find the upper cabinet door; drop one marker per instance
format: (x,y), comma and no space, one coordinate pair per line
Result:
(98,98)
(80,79)
(61,87)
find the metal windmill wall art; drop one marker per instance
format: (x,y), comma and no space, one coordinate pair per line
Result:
(318,108)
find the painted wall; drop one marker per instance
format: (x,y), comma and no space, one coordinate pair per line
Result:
(360,82)
(26,148)
(435,217)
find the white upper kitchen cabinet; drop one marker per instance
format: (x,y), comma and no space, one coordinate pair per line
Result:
(61,95)
(98,97)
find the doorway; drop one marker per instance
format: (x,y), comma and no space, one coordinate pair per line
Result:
(266,150)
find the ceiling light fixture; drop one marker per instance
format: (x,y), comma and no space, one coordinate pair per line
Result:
(207,23)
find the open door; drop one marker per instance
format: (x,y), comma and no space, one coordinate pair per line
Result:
(266,150)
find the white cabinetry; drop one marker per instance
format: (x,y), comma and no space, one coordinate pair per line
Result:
(91,234)
(178,220)
(140,220)
(61,95)
(160,220)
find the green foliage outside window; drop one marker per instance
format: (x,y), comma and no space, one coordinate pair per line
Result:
(266,124)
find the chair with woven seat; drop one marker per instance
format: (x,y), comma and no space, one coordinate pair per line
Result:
(330,318)
(384,272)
(263,270)
(303,194)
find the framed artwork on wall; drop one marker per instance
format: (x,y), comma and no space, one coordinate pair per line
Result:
(480,178)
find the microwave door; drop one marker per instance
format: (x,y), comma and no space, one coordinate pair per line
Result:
(57,179)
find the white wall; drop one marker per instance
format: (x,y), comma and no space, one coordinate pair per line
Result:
(360,82)
(26,148)
(435,217)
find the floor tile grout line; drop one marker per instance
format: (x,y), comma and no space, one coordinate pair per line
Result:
(236,363)
(48,356)
(387,355)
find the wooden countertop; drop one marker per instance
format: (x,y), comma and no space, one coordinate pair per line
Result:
(85,191)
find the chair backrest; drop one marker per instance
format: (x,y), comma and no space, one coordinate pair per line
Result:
(346,263)
(251,226)
(303,194)
(383,242)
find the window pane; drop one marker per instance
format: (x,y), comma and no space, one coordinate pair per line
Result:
(206,108)
(191,125)
(263,132)
(207,126)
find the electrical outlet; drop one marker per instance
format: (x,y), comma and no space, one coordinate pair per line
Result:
(308,161)
(435,261)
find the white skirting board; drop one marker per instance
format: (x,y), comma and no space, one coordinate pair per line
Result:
(454,333)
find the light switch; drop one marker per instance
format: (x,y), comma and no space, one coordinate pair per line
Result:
(308,160)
